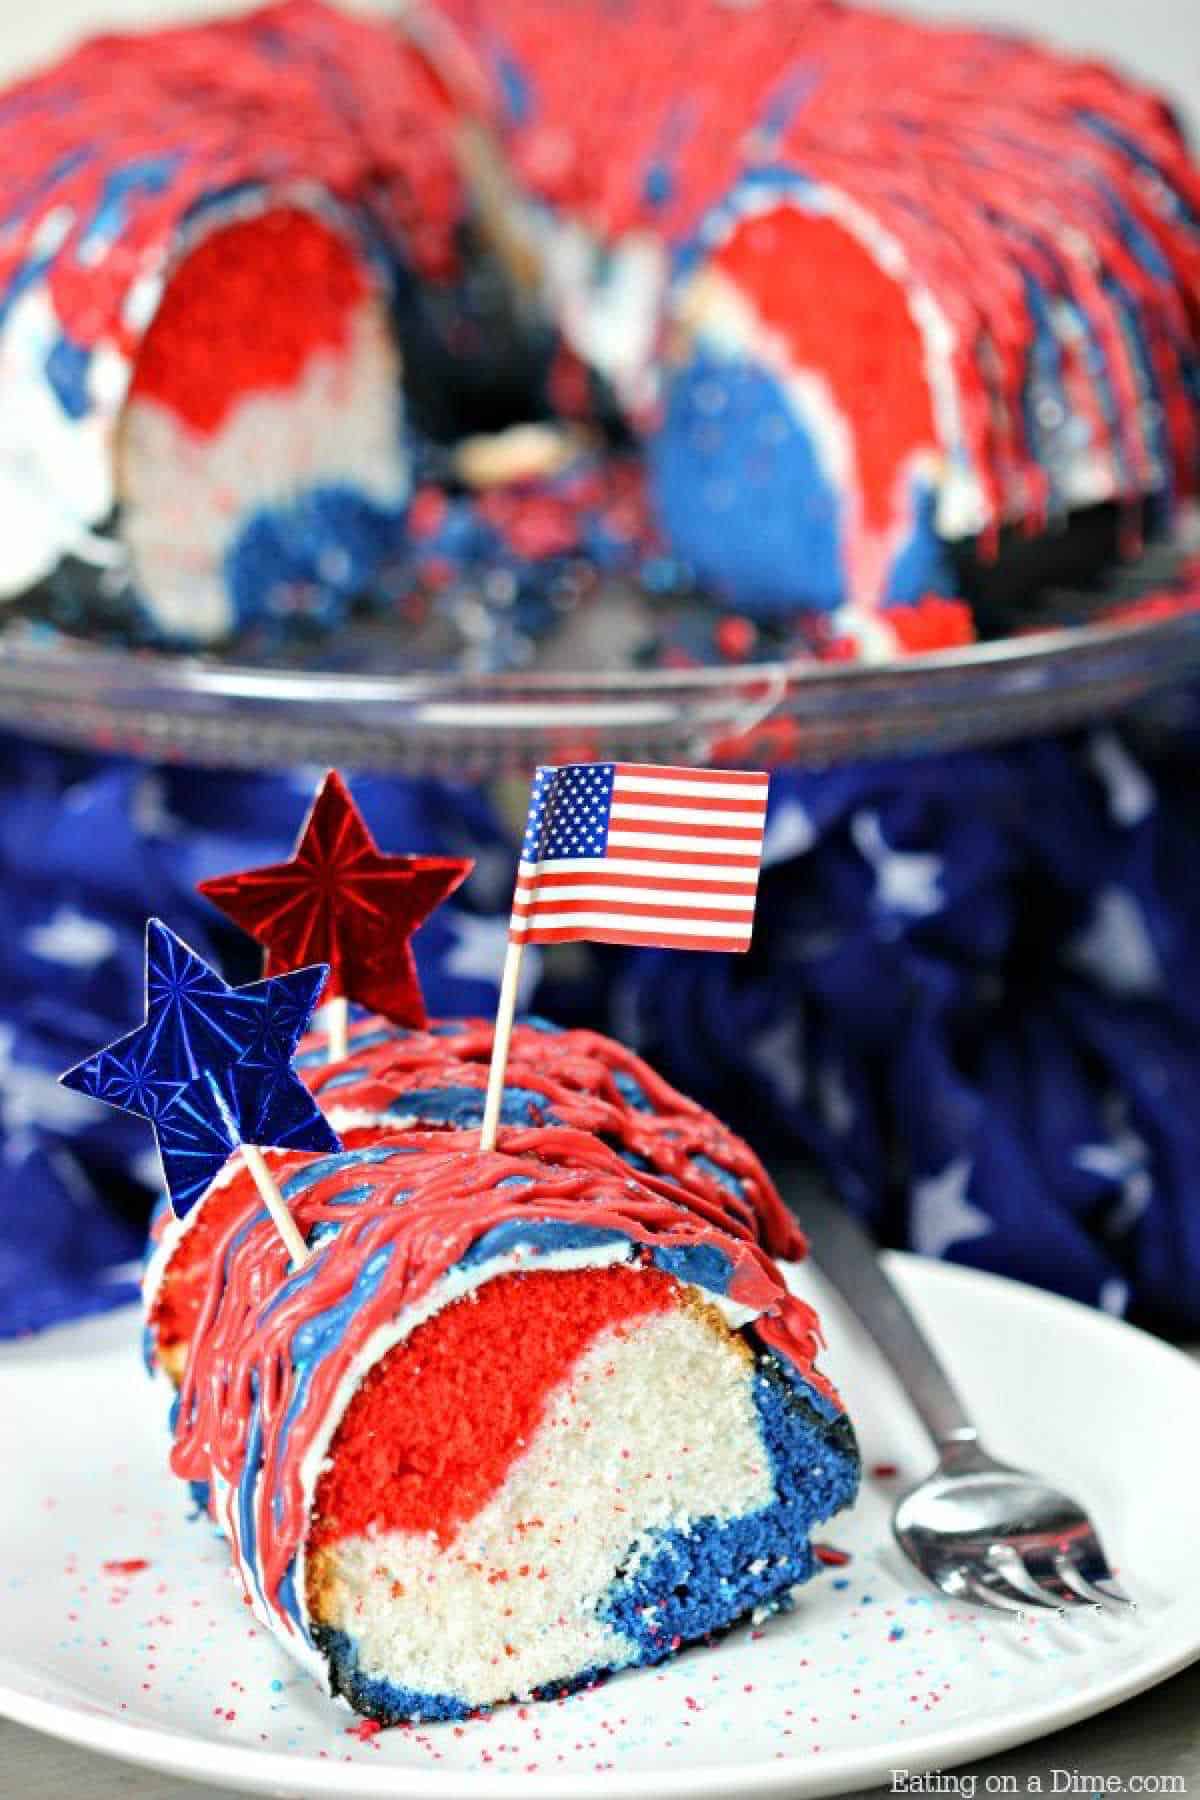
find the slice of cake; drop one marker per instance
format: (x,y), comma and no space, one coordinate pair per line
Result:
(521,1421)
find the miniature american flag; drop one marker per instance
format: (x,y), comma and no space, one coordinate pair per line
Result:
(629,853)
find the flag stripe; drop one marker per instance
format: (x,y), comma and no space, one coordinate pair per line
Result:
(674,939)
(672,879)
(663,812)
(632,857)
(748,801)
(680,919)
(733,838)
(702,906)
(722,784)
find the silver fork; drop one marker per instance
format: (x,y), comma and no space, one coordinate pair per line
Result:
(981,1531)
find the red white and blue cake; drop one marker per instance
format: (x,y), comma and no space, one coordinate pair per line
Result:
(523,1419)
(875,331)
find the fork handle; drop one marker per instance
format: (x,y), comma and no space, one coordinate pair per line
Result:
(849,1259)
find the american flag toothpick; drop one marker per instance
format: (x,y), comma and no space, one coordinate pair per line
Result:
(630,853)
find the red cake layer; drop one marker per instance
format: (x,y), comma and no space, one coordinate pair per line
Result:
(431,1433)
(207,346)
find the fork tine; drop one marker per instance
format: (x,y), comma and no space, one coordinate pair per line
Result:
(1111,1594)
(1068,1597)
(1008,1562)
(999,1596)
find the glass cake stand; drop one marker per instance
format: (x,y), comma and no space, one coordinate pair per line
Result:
(245,714)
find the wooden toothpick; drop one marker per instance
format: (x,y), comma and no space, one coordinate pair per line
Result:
(275,1204)
(336,1015)
(505,1014)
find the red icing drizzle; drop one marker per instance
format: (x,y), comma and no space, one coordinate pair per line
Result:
(206,346)
(431,1433)
(575,1072)
(451,1196)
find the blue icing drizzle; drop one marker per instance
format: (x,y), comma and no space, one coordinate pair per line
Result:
(315,1172)
(317,1337)
(343,1078)
(463,1106)
(247,1483)
(67,368)
(1053,430)
(515,88)
(658,184)
(150,175)
(287,1596)
(17,203)
(1153,414)
(788,96)
(360,1040)
(241,1234)
(702,1264)
(295,1284)
(1166,194)
(536,1022)
(542,1236)
(631,1090)
(353,1196)
(727,1180)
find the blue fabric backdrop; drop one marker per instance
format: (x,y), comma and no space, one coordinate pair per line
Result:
(974,994)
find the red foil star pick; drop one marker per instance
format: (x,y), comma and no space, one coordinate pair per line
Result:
(341,901)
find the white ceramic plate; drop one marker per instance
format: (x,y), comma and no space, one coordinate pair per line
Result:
(161,1663)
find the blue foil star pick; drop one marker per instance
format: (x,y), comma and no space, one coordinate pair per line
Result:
(211,1067)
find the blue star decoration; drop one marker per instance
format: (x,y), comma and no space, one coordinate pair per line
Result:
(211,1067)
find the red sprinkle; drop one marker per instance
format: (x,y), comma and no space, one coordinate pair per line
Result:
(364,1730)
(831,1558)
(132,1566)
